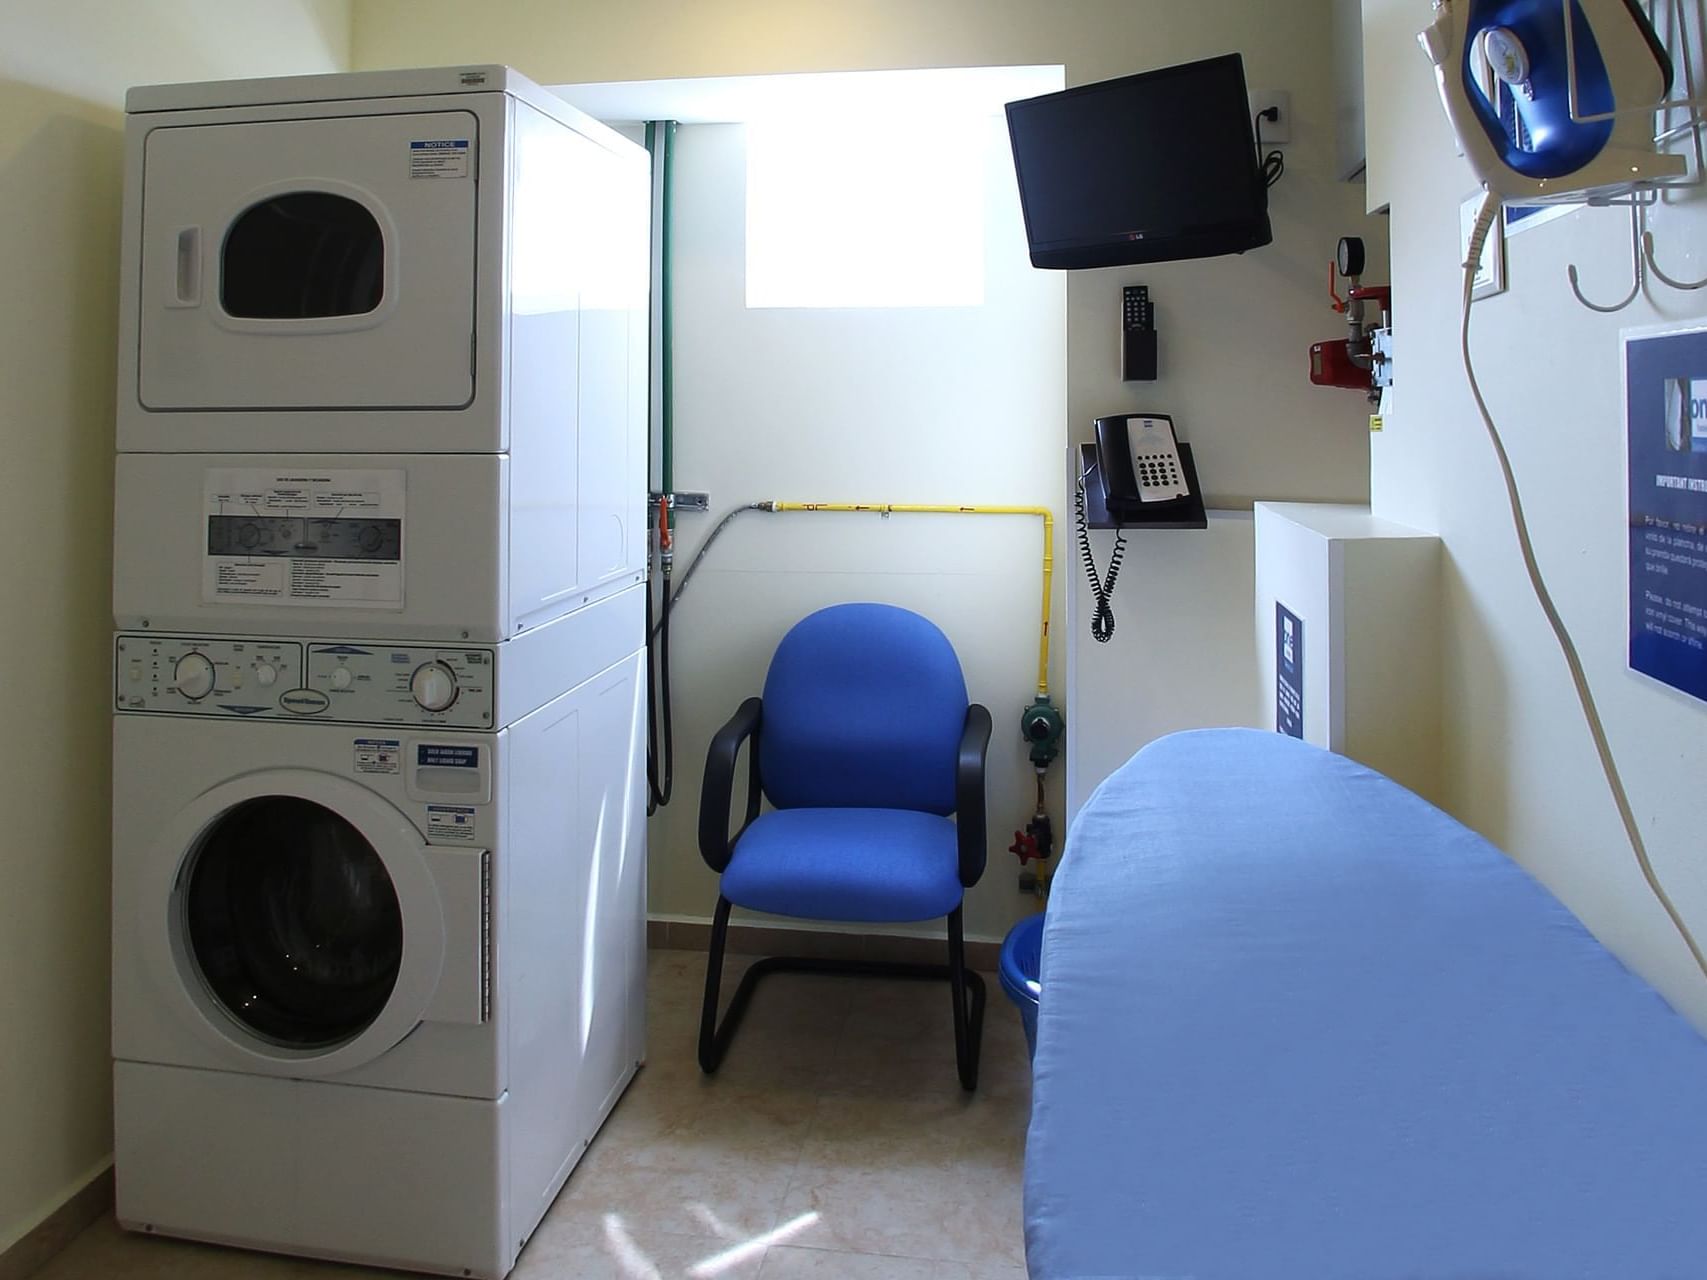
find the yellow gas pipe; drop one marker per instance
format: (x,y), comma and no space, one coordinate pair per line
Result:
(938,509)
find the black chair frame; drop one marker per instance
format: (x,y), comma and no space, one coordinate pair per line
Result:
(717,846)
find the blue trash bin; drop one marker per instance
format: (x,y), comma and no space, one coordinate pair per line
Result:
(1020,970)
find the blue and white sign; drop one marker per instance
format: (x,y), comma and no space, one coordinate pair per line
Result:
(1665,389)
(1288,672)
(438,755)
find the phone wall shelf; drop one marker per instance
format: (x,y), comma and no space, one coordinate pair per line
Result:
(1182,513)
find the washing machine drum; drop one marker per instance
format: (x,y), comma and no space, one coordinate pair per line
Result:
(293,922)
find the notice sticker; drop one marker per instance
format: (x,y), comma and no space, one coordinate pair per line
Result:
(303,536)
(379,755)
(450,823)
(439,158)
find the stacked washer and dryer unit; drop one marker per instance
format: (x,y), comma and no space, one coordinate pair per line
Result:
(379,850)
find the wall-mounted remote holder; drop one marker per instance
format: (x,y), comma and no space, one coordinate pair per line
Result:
(1137,335)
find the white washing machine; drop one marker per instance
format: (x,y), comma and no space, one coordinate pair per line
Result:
(382,358)
(378,934)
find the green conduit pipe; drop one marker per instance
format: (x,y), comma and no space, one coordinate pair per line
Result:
(668,339)
(651,352)
(661,146)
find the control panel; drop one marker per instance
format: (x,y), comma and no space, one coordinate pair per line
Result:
(403,684)
(205,675)
(366,683)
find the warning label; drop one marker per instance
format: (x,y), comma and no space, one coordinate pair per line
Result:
(379,755)
(439,158)
(450,822)
(303,537)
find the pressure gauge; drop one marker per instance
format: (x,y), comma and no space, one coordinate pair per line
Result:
(1351,257)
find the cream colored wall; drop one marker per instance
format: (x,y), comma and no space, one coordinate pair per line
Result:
(64,67)
(1518,763)
(1235,332)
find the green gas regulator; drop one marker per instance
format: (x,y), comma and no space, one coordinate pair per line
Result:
(1042,726)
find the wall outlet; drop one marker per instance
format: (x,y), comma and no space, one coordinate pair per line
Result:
(1278,131)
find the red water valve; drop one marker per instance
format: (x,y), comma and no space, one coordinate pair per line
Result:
(1025,846)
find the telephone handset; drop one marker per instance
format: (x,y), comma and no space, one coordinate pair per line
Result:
(1142,480)
(1138,462)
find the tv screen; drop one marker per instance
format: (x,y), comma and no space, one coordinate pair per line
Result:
(1148,168)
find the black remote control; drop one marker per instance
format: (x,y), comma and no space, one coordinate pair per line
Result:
(1137,335)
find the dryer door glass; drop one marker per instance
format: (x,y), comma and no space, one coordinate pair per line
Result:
(293,922)
(302,256)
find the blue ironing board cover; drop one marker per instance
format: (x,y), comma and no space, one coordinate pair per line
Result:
(1298,1024)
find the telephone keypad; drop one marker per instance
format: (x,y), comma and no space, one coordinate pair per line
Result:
(1158,471)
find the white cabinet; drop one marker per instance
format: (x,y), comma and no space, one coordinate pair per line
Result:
(1347,625)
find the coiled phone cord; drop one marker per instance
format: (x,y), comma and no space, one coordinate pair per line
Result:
(1102,588)
(1485,218)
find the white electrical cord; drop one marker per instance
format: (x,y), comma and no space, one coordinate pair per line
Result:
(1485,218)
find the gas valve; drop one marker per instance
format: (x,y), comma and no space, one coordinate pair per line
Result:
(1042,834)
(1041,725)
(1025,845)
(1036,842)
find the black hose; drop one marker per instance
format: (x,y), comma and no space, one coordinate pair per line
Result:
(693,565)
(660,733)
(651,712)
(667,766)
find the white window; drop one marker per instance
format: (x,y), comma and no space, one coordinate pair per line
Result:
(857,211)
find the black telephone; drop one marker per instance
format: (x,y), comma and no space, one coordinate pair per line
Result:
(1138,474)
(1138,463)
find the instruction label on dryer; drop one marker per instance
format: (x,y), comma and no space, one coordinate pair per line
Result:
(303,536)
(438,158)
(379,755)
(450,822)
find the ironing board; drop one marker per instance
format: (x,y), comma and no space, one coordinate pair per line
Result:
(1298,1024)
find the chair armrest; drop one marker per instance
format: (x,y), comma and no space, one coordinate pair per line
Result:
(969,794)
(718,793)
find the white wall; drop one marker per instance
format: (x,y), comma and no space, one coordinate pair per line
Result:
(1235,333)
(1519,766)
(64,67)
(927,405)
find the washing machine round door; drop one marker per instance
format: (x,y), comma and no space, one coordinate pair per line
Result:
(302,924)
(293,922)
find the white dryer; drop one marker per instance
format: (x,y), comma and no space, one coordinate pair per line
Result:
(378,972)
(429,287)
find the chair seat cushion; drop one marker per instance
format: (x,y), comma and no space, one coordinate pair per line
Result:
(847,864)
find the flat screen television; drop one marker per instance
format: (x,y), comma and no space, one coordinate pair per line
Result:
(1148,168)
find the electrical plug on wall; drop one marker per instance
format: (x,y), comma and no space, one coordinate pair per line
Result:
(1276,127)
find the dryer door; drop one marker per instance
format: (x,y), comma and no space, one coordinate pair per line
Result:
(309,264)
(310,927)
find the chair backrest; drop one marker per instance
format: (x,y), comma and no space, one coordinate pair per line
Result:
(864,708)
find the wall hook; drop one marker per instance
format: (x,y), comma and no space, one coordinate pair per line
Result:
(1661,276)
(1637,269)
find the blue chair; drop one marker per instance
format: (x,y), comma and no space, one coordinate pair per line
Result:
(865,744)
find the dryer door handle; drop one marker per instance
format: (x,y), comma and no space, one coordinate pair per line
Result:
(187,276)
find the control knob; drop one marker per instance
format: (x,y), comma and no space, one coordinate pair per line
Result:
(434,686)
(193,676)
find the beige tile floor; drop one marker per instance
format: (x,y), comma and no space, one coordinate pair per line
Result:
(834,1144)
